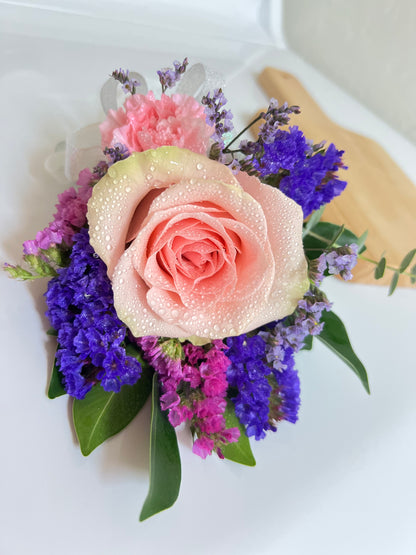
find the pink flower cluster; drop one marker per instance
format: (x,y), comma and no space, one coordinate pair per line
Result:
(194,387)
(145,122)
(69,217)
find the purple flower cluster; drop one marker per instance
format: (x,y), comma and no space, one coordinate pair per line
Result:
(339,260)
(264,395)
(248,373)
(308,176)
(218,118)
(286,337)
(274,118)
(194,388)
(116,153)
(128,84)
(169,77)
(90,335)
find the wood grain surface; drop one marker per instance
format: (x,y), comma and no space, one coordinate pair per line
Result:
(379,197)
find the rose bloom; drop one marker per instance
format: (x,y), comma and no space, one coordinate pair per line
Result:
(145,122)
(193,250)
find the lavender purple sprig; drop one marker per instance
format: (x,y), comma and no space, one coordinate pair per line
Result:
(129,84)
(168,77)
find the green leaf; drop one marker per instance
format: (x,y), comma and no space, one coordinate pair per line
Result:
(393,283)
(313,220)
(380,268)
(413,274)
(165,463)
(322,236)
(307,343)
(361,242)
(407,260)
(239,451)
(102,414)
(337,234)
(334,335)
(56,387)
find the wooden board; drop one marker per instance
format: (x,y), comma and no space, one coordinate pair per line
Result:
(379,197)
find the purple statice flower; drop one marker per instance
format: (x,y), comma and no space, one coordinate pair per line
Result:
(285,397)
(283,339)
(218,118)
(274,118)
(194,387)
(342,260)
(116,153)
(307,174)
(248,374)
(90,335)
(313,181)
(128,84)
(168,77)
(286,337)
(335,261)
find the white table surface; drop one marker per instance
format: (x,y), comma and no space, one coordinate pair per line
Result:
(341,481)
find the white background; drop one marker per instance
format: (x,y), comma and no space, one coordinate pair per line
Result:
(340,481)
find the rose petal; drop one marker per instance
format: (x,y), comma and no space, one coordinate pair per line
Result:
(285,237)
(117,195)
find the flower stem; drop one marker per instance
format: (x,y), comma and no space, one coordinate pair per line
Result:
(255,120)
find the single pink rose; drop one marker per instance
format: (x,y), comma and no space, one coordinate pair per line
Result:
(193,250)
(145,122)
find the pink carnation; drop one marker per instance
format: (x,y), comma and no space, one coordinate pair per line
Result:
(144,123)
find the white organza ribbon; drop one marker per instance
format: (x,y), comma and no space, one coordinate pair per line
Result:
(82,149)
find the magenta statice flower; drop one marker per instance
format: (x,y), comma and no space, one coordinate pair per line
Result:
(70,215)
(194,387)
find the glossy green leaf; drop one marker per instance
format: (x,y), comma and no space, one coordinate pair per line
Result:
(407,260)
(393,283)
(380,268)
(102,414)
(334,335)
(56,387)
(361,241)
(239,451)
(307,343)
(413,274)
(322,235)
(165,463)
(313,220)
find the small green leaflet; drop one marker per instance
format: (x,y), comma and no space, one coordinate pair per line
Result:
(413,275)
(380,268)
(393,283)
(335,336)
(239,451)
(56,388)
(407,260)
(165,463)
(102,414)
